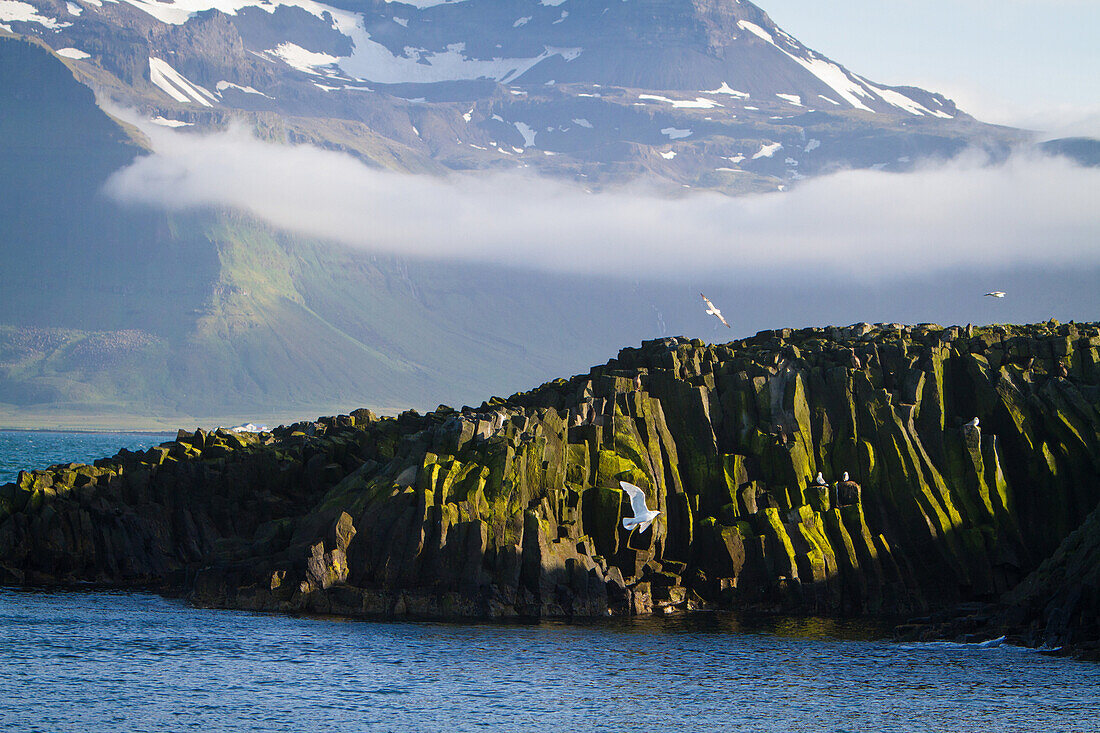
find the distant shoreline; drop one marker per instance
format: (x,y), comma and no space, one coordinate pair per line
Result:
(88,431)
(76,422)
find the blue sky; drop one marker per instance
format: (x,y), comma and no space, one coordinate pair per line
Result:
(1033,64)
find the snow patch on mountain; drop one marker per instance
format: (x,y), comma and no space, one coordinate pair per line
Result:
(421,4)
(176,85)
(697,103)
(756,30)
(726,89)
(373,61)
(767,150)
(73,53)
(222,85)
(165,122)
(898,99)
(20,12)
(177,12)
(302,59)
(834,77)
(791,98)
(675,133)
(528,134)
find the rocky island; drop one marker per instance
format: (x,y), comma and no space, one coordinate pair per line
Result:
(513,509)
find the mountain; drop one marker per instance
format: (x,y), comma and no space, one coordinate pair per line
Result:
(706,93)
(874,471)
(109,310)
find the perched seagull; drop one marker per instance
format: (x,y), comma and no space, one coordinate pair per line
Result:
(845,476)
(643,515)
(712,310)
(972,424)
(820,480)
(995,294)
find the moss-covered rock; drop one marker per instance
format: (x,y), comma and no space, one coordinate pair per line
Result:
(514,508)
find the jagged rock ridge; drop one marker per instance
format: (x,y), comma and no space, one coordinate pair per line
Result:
(514,508)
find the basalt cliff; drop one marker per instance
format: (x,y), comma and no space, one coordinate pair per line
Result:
(514,508)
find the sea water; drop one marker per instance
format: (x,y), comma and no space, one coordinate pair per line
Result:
(125,661)
(28,449)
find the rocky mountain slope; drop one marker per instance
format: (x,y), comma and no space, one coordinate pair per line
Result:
(514,508)
(706,93)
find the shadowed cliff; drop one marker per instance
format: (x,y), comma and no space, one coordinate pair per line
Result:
(514,508)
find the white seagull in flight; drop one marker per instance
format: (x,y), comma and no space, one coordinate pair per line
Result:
(995,294)
(712,310)
(643,515)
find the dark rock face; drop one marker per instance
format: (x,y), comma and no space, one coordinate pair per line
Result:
(514,508)
(1058,605)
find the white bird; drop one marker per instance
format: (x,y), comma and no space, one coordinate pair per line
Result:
(973,423)
(845,476)
(820,480)
(643,515)
(995,294)
(712,310)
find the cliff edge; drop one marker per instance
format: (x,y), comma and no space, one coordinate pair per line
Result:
(514,508)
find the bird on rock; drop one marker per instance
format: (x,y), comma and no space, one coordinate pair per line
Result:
(848,492)
(973,423)
(995,294)
(820,480)
(712,310)
(643,515)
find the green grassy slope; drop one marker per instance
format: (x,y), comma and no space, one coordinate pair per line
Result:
(115,310)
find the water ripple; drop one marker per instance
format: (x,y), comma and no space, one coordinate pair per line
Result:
(134,662)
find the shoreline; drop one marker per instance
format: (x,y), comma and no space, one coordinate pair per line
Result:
(86,431)
(744,621)
(76,422)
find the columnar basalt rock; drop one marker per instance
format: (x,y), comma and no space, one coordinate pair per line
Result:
(514,508)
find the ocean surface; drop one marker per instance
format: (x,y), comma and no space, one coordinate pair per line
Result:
(26,449)
(125,661)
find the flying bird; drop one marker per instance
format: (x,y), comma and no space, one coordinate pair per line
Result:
(643,515)
(995,294)
(712,310)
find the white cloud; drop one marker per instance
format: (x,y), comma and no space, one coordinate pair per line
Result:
(964,213)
